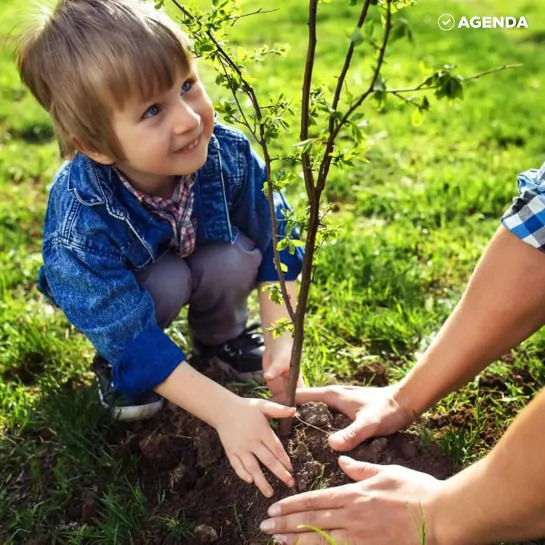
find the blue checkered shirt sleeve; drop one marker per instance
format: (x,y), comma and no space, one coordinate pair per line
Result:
(526,216)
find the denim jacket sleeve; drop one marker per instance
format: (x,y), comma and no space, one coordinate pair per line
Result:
(101,297)
(251,214)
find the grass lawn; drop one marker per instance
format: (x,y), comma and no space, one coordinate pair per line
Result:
(415,220)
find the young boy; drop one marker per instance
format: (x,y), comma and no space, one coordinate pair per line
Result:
(158,206)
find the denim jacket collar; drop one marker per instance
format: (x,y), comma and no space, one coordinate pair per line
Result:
(95,184)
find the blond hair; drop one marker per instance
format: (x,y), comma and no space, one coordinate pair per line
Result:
(84,58)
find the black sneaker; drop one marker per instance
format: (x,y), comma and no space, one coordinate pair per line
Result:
(123,407)
(241,357)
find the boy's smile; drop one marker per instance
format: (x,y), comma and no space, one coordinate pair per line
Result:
(190,147)
(166,136)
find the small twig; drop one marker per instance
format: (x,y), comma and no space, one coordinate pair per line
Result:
(313,426)
(347,61)
(424,87)
(237,17)
(376,74)
(409,101)
(245,120)
(184,436)
(238,521)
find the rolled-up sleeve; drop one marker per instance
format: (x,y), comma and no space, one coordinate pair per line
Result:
(526,216)
(101,297)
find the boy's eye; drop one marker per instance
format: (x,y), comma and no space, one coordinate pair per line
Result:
(152,111)
(186,85)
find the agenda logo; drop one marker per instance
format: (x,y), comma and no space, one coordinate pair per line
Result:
(448,22)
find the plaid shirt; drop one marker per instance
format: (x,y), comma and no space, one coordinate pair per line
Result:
(526,216)
(177,211)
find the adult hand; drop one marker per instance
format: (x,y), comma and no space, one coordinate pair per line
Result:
(388,505)
(375,411)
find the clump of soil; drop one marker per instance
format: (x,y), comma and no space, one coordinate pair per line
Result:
(186,457)
(371,374)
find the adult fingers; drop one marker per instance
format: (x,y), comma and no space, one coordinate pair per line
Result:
(325,394)
(351,436)
(358,471)
(325,519)
(328,498)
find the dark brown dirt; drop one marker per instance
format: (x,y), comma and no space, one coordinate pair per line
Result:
(371,374)
(186,456)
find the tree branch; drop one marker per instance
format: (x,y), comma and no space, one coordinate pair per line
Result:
(326,161)
(247,88)
(346,66)
(424,87)
(307,82)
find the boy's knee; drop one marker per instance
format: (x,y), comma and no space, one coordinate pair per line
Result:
(231,266)
(168,281)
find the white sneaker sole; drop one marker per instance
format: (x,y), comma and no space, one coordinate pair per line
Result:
(137,412)
(126,414)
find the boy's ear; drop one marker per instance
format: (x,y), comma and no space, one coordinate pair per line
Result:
(103,158)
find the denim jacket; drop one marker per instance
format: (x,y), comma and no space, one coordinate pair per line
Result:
(97,236)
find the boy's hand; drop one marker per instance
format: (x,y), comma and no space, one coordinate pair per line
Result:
(247,437)
(276,370)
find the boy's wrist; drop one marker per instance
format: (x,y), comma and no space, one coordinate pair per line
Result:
(226,410)
(280,345)
(197,394)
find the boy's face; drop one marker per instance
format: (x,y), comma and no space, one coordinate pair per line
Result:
(165,137)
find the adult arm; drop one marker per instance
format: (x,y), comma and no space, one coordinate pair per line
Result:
(499,498)
(504,303)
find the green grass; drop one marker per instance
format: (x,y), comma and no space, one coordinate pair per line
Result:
(416,219)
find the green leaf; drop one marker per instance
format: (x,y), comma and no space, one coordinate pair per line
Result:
(304,143)
(298,243)
(275,293)
(456,89)
(417,118)
(425,104)
(380,84)
(280,327)
(356,38)
(401,29)
(282,244)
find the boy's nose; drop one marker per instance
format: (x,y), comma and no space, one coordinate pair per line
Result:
(186,120)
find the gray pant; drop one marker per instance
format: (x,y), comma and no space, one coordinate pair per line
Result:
(215,280)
